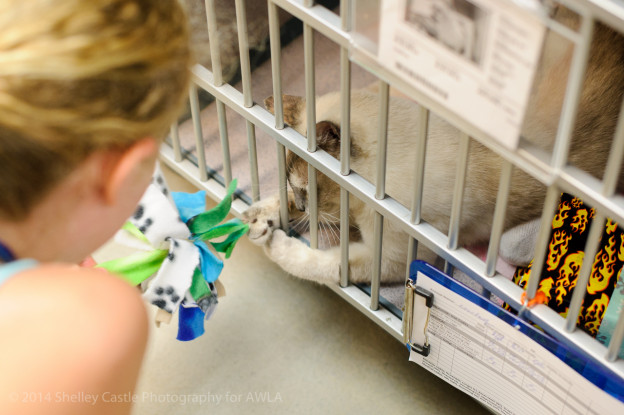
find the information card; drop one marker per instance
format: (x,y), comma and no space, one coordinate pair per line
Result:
(475,57)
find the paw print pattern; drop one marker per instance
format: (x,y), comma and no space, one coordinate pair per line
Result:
(147,224)
(158,219)
(141,219)
(158,180)
(171,284)
(167,298)
(160,183)
(171,256)
(138,213)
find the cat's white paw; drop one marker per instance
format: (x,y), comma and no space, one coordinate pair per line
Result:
(263,218)
(280,245)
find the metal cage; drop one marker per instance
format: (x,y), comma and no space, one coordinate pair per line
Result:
(553,170)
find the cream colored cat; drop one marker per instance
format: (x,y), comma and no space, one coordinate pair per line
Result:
(599,107)
(323,265)
(257,30)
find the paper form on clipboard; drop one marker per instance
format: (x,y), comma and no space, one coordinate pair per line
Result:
(499,363)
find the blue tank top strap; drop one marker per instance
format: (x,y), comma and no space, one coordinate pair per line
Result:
(6,255)
(15,267)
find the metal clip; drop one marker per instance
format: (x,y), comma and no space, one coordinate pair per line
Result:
(408,317)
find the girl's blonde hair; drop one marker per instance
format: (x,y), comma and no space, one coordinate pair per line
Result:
(81,75)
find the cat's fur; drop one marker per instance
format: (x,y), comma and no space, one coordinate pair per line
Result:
(257,31)
(599,107)
(257,26)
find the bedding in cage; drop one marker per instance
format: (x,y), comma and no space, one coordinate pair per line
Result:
(221,136)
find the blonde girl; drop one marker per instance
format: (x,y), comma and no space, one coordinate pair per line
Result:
(88,88)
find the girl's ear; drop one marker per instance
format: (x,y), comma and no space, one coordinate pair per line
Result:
(134,162)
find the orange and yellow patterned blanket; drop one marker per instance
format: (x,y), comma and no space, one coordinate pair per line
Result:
(566,251)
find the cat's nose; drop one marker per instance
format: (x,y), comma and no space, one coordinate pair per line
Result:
(300,206)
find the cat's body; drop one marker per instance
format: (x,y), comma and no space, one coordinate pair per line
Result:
(257,32)
(442,149)
(590,149)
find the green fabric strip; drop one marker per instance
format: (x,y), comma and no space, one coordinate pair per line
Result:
(199,287)
(134,231)
(226,228)
(206,220)
(230,242)
(137,267)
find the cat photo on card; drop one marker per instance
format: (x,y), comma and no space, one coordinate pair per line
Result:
(456,24)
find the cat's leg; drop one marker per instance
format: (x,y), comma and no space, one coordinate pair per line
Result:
(323,266)
(297,258)
(517,244)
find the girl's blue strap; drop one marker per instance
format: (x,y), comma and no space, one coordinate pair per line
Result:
(6,255)
(15,267)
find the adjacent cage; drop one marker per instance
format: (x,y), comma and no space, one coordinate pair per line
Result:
(302,47)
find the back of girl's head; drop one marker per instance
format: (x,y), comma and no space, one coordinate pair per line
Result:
(78,76)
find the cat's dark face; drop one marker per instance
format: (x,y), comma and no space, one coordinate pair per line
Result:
(328,192)
(327,139)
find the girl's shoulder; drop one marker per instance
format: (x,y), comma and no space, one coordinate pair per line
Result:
(77,328)
(87,310)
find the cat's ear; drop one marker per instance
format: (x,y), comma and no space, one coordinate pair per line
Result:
(293,108)
(328,137)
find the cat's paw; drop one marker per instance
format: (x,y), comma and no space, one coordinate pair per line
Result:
(263,218)
(280,245)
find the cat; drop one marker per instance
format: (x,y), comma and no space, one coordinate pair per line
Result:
(257,28)
(593,132)
(257,32)
(323,265)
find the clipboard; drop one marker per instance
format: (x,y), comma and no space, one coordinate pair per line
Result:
(499,359)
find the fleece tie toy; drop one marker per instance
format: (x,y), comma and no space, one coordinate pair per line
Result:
(177,252)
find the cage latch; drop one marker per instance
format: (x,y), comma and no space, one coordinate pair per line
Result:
(418,303)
